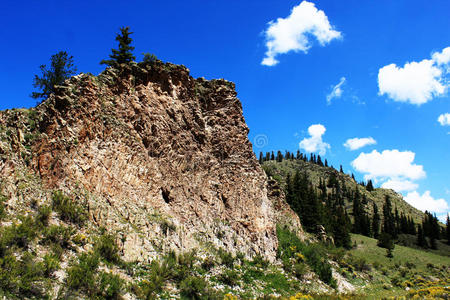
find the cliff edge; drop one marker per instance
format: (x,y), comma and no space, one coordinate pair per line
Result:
(155,156)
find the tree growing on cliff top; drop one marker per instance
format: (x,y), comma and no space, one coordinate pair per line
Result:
(124,54)
(61,68)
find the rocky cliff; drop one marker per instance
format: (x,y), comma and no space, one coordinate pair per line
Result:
(155,156)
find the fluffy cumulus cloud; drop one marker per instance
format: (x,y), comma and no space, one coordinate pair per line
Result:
(336,92)
(357,143)
(416,82)
(389,164)
(426,202)
(315,143)
(294,32)
(400,185)
(442,58)
(444,119)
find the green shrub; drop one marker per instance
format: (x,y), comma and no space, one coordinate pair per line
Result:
(290,246)
(359,264)
(155,282)
(187,259)
(57,250)
(258,260)
(385,240)
(2,206)
(67,209)
(110,286)
(43,216)
(107,248)
(208,263)
(22,278)
(17,235)
(80,239)
(55,234)
(193,288)
(229,277)
(51,264)
(81,275)
(226,258)
(299,270)
(251,274)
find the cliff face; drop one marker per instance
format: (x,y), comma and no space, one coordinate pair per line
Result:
(156,156)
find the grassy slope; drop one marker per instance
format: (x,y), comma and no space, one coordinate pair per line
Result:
(412,263)
(279,171)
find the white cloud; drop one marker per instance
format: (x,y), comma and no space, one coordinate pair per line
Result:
(442,218)
(442,58)
(336,92)
(416,82)
(389,164)
(356,143)
(444,119)
(293,33)
(315,143)
(426,202)
(400,185)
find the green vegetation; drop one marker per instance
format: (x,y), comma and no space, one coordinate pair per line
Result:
(61,68)
(22,273)
(68,209)
(2,206)
(124,54)
(322,196)
(411,268)
(107,248)
(294,252)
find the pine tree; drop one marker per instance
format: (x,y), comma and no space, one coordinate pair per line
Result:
(341,232)
(124,54)
(298,154)
(388,218)
(357,213)
(279,156)
(61,68)
(369,186)
(341,170)
(411,226)
(385,240)
(261,158)
(421,241)
(326,163)
(149,58)
(433,244)
(447,230)
(319,161)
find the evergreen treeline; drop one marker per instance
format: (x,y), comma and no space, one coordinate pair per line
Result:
(316,207)
(312,158)
(325,205)
(279,157)
(430,228)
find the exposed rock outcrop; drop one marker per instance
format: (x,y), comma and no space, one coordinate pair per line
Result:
(156,156)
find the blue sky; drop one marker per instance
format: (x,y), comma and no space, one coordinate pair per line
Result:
(393,90)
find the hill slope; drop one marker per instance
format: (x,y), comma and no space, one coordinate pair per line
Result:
(315,173)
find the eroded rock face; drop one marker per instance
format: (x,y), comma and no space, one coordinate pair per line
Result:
(158,157)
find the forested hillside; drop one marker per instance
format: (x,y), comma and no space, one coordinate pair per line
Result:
(324,196)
